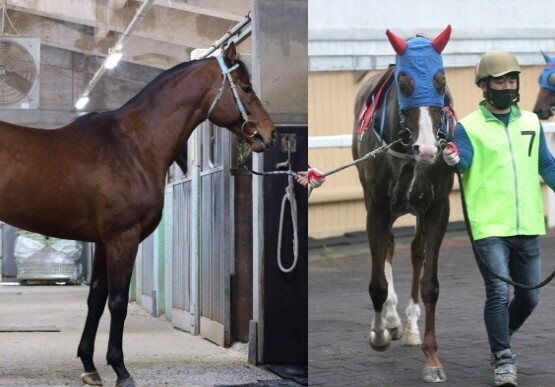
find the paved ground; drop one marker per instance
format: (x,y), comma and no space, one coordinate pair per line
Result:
(156,354)
(340,314)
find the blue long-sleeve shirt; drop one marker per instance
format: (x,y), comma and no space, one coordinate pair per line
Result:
(546,162)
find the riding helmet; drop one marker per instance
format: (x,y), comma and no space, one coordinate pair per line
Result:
(496,63)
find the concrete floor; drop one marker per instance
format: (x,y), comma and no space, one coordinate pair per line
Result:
(155,353)
(340,312)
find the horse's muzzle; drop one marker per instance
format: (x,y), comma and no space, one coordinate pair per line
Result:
(544,113)
(426,154)
(259,144)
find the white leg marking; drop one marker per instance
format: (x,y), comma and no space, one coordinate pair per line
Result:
(393,322)
(411,334)
(380,337)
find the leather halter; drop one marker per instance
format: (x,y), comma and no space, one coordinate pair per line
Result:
(443,134)
(226,74)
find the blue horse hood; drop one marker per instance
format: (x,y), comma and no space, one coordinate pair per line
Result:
(547,71)
(421,62)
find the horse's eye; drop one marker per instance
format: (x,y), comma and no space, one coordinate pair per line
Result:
(247,88)
(440,82)
(406,84)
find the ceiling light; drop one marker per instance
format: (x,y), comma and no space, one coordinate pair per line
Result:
(81,103)
(113,59)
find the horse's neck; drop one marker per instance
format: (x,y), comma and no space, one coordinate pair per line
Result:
(163,119)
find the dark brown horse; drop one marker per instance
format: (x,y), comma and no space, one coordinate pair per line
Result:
(545,101)
(408,105)
(101,178)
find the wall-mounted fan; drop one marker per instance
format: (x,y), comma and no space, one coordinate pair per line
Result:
(19,73)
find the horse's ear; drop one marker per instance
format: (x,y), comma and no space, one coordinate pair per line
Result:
(547,58)
(230,54)
(441,40)
(399,45)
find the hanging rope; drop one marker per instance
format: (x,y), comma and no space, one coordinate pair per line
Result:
(243,154)
(289,196)
(312,178)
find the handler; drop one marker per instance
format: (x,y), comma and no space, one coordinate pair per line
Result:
(500,150)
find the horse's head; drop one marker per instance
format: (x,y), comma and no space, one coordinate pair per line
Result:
(421,92)
(545,102)
(237,107)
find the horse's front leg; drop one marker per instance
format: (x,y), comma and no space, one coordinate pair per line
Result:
(435,224)
(377,224)
(120,253)
(98,293)
(393,322)
(411,333)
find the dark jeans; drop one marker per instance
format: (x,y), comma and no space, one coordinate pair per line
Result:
(518,258)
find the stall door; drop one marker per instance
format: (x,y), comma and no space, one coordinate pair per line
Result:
(183,245)
(148,274)
(202,237)
(216,247)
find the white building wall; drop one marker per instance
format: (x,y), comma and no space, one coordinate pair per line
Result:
(350,34)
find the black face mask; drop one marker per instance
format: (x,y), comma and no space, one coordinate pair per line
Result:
(502,99)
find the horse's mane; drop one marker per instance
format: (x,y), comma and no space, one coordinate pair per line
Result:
(109,114)
(175,70)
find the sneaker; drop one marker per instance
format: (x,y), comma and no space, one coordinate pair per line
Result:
(505,375)
(504,368)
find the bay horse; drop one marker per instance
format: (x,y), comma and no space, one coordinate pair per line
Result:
(409,107)
(101,178)
(545,101)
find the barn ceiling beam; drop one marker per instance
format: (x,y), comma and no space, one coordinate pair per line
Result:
(129,30)
(223,9)
(171,22)
(114,12)
(79,38)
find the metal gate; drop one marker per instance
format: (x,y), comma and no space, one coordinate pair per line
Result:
(202,237)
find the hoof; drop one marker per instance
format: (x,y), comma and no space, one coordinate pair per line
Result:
(433,375)
(410,339)
(91,378)
(129,382)
(396,333)
(380,343)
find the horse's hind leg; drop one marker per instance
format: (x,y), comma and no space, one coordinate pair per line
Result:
(376,224)
(393,322)
(98,293)
(120,257)
(411,334)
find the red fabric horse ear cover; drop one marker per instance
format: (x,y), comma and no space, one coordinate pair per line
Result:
(441,40)
(399,45)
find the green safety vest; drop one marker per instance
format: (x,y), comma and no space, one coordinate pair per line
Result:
(502,189)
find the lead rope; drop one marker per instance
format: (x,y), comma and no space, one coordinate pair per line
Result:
(321,177)
(381,149)
(289,196)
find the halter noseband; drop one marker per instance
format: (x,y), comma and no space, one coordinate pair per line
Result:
(442,134)
(226,74)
